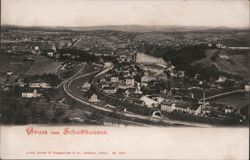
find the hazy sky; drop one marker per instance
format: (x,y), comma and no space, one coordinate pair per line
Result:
(231,13)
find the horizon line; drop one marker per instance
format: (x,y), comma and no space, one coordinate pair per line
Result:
(140,25)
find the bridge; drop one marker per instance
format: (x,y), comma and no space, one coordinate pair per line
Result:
(222,94)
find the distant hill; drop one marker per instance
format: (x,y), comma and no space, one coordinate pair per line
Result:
(125,28)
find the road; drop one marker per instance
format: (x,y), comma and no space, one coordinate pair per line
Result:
(68,90)
(80,99)
(83,66)
(66,86)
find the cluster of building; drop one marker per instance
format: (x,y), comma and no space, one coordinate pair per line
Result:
(29,84)
(126,82)
(141,84)
(32,87)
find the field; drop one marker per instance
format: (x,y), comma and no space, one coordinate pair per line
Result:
(39,65)
(237,63)
(14,64)
(238,100)
(43,65)
(234,62)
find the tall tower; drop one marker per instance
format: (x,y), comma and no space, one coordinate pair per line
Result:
(204,100)
(135,55)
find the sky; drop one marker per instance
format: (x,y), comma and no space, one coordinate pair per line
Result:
(226,13)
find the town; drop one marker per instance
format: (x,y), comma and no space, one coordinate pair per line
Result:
(106,77)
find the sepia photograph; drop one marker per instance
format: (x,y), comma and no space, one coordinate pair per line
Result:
(143,64)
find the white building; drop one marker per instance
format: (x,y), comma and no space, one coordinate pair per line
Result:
(36,48)
(50,54)
(130,81)
(181,74)
(229,110)
(33,94)
(107,64)
(86,86)
(221,79)
(247,87)
(149,102)
(170,106)
(167,106)
(93,98)
(144,79)
(39,85)
(159,99)
(171,68)
(114,79)
(109,90)
(9,73)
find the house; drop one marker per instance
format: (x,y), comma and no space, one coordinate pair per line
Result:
(191,96)
(144,79)
(196,76)
(57,55)
(86,86)
(203,108)
(20,81)
(29,94)
(173,74)
(125,73)
(167,106)
(247,87)
(36,48)
(130,81)
(180,106)
(104,84)
(50,54)
(221,79)
(181,74)
(39,85)
(199,110)
(159,99)
(163,91)
(123,58)
(5,88)
(229,109)
(114,79)
(149,102)
(107,64)
(76,119)
(146,73)
(93,98)
(138,91)
(219,45)
(171,68)
(130,90)
(9,73)
(133,73)
(109,90)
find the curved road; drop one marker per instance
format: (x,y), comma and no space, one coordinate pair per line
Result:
(80,99)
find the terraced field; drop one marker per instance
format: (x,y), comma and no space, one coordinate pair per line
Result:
(234,62)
